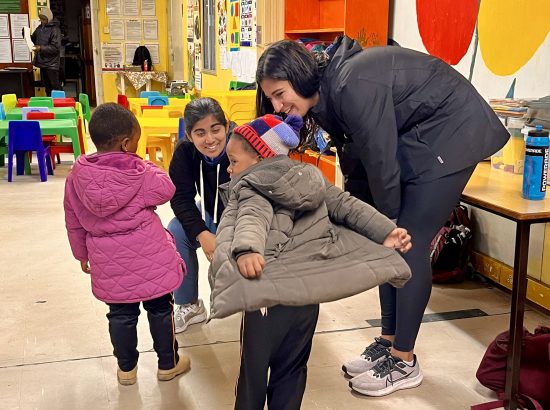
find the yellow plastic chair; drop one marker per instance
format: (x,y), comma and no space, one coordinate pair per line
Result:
(83,124)
(165,144)
(9,101)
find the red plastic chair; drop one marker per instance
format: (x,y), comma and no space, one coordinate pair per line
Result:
(47,139)
(58,147)
(151,107)
(64,103)
(123,100)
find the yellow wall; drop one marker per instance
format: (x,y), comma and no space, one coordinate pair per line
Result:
(221,79)
(109,79)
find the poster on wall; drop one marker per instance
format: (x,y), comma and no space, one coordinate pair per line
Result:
(197,33)
(234,25)
(21,53)
(148,8)
(248,23)
(133,30)
(190,22)
(131,8)
(129,51)
(113,8)
(18,21)
(116,29)
(4,26)
(112,56)
(154,50)
(5,50)
(150,29)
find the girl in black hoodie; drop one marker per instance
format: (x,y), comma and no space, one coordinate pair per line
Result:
(199,166)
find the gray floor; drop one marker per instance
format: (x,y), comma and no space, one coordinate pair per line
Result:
(55,351)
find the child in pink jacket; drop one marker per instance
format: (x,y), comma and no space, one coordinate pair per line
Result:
(110,202)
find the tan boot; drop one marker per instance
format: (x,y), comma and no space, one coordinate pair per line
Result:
(127,378)
(184,364)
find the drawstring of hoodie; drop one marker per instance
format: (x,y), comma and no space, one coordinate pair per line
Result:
(216,200)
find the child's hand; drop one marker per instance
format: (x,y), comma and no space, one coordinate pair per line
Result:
(398,239)
(85,267)
(251,265)
(207,241)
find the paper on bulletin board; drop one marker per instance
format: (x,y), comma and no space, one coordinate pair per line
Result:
(21,53)
(248,23)
(234,25)
(154,50)
(5,50)
(18,21)
(133,30)
(150,29)
(131,8)
(116,29)
(148,8)
(112,56)
(189,21)
(129,51)
(4,26)
(225,62)
(113,8)
(222,23)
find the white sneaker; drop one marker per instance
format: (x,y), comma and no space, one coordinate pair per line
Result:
(189,314)
(376,352)
(387,376)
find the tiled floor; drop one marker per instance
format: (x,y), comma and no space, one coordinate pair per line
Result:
(55,351)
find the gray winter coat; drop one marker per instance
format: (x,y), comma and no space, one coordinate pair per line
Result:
(48,37)
(399,116)
(286,211)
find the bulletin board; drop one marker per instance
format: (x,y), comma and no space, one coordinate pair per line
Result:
(131,23)
(14,52)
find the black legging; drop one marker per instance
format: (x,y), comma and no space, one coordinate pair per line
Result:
(424,209)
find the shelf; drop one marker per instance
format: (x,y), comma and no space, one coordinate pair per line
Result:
(316,30)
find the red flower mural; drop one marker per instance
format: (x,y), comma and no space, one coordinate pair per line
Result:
(446,27)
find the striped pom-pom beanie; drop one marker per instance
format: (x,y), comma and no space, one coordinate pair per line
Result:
(269,135)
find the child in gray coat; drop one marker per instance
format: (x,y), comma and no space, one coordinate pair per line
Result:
(287,241)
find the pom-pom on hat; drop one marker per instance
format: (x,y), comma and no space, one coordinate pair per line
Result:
(269,135)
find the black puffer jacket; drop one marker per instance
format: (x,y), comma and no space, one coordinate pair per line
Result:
(48,37)
(399,116)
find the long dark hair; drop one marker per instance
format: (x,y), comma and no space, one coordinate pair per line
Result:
(197,109)
(290,61)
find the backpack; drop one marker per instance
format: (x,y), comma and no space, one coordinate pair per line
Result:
(534,372)
(450,249)
(141,54)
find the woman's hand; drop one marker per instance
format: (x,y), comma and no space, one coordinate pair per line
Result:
(251,265)
(208,243)
(398,239)
(85,267)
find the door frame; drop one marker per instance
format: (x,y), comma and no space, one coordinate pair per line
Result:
(98,73)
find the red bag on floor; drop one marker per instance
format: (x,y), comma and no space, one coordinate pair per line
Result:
(534,376)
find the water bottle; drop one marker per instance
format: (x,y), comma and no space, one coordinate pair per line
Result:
(536,164)
(145,66)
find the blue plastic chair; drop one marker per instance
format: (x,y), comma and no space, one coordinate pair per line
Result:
(58,94)
(157,100)
(24,136)
(26,110)
(181,129)
(2,112)
(146,94)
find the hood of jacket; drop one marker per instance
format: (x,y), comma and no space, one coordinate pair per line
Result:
(286,182)
(102,191)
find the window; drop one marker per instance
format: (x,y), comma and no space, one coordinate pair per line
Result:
(209,34)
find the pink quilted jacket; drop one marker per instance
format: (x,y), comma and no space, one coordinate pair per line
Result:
(110,202)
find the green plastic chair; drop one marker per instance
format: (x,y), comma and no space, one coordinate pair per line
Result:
(41,103)
(85,101)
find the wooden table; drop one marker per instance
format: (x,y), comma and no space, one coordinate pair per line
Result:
(18,82)
(499,193)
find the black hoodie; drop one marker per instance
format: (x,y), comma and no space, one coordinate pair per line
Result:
(400,116)
(185,172)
